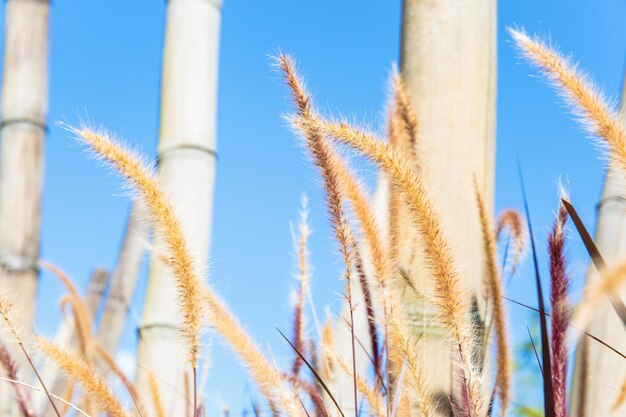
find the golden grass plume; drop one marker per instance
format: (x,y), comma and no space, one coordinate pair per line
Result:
(370,228)
(370,394)
(404,349)
(496,293)
(6,311)
(269,379)
(449,296)
(339,179)
(159,409)
(584,98)
(513,221)
(128,384)
(167,225)
(454,308)
(79,372)
(193,293)
(406,115)
(322,156)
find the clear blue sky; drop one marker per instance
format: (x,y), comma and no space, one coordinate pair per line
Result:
(105,62)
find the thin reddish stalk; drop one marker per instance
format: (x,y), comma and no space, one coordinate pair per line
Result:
(316,398)
(297,340)
(369,309)
(10,367)
(561,311)
(354,376)
(195,392)
(300,241)
(513,221)
(321,155)
(5,312)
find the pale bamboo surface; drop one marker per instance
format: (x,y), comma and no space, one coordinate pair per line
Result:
(22,132)
(95,290)
(187,143)
(448,61)
(599,372)
(24,107)
(124,279)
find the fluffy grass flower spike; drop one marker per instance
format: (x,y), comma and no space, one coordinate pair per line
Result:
(584,98)
(513,221)
(144,181)
(193,293)
(80,372)
(496,293)
(561,311)
(449,296)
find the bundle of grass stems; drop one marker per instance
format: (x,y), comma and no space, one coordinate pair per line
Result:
(397,383)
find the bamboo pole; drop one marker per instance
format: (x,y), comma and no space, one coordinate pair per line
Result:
(95,290)
(22,133)
(598,372)
(124,279)
(23,128)
(448,61)
(186,154)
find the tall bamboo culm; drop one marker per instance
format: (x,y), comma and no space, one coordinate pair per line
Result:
(124,279)
(448,62)
(598,372)
(22,133)
(186,165)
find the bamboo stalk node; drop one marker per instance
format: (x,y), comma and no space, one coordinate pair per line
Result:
(185,146)
(611,199)
(216,3)
(41,124)
(34,1)
(121,298)
(156,326)
(16,263)
(98,284)
(186,161)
